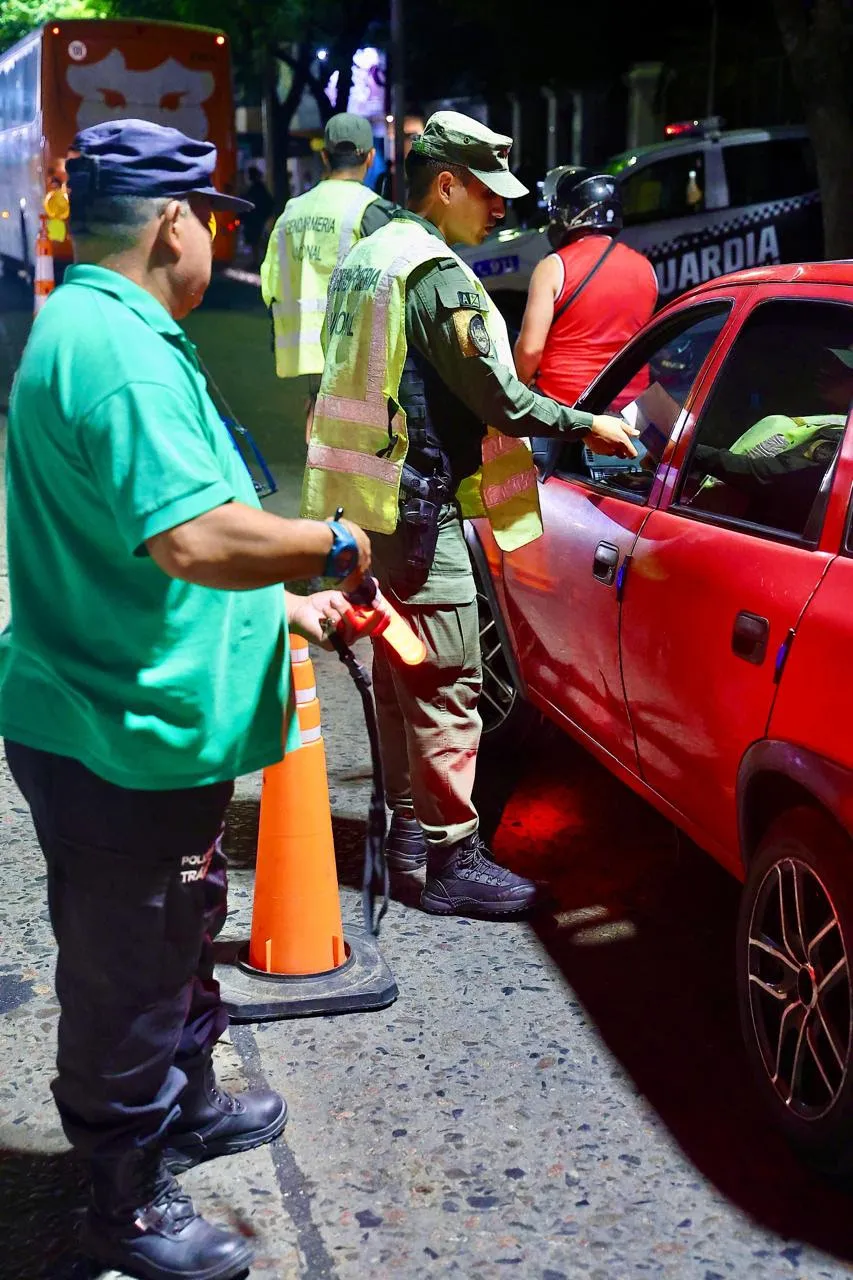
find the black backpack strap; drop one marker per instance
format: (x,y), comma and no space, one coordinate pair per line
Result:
(585,281)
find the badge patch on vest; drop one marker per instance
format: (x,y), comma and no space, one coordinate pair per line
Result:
(469,300)
(471,333)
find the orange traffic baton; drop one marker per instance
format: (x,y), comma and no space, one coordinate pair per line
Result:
(299,961)
(43,281)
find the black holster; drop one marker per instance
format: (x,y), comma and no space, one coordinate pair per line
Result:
(421,500)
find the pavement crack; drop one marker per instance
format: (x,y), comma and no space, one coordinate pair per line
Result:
(295,1193)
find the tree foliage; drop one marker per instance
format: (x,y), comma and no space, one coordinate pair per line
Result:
(17,17)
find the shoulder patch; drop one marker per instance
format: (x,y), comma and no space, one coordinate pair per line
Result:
(453,289)
(471,333)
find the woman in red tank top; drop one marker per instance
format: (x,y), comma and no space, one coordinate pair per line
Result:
(589,297)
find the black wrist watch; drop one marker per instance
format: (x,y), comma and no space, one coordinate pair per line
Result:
(343,555)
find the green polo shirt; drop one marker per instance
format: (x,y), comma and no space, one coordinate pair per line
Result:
(150,682)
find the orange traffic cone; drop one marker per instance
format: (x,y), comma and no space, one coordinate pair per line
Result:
(44,281)
(298,961)
(296,923)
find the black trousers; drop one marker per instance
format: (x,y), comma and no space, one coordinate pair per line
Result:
(137,888)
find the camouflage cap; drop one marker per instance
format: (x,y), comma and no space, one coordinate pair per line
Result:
(450,137)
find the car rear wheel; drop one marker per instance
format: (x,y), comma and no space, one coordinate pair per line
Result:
(795,987)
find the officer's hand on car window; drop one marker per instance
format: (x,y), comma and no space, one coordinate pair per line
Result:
(362,541)
(611,437)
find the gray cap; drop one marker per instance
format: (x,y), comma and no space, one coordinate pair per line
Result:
(347,132)
(450,137)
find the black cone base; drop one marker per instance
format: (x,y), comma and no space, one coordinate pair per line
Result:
(363,982)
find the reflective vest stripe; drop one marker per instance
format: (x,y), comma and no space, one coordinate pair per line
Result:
(348,232)
(328,458)
(515,485)
(306,333)
(372,415)
(372,411)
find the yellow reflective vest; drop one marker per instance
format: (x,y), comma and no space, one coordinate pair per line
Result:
(314,234)
(358,446)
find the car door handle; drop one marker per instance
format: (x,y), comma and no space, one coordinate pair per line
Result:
(604,563)
(750,636)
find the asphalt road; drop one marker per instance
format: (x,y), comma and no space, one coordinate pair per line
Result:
(560,1098)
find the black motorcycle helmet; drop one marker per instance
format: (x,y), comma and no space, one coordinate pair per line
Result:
(580,200)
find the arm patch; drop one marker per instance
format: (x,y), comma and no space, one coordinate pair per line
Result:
(471,333)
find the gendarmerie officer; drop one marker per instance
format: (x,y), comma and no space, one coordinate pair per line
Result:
(421,419)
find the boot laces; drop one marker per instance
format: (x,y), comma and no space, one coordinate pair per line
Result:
(220,1097)
(226,1101)
(476,859)
(171,1211)
(165,1207)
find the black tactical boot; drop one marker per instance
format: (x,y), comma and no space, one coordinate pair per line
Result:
(462,880)
(215,1123)
(140,1222)
(405,847)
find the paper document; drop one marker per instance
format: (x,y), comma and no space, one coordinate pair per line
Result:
(654,414)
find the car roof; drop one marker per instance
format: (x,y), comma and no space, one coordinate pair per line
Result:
(672,146)
(838,272)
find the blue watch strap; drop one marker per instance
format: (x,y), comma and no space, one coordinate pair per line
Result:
(343,554)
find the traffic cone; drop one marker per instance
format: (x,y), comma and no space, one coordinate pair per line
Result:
(44,281)
(298,961)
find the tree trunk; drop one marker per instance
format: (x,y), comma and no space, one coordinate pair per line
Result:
(831,126)
(818,39)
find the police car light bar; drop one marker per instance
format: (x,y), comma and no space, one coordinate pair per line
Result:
(683,129)
(694,128)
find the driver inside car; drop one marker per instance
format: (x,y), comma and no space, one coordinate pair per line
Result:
(779,463)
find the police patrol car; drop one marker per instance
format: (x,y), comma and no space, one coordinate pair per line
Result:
(699,205)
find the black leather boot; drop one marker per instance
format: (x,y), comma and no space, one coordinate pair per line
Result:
(140,1222)
(405,847)
(215,1123)
(463,880)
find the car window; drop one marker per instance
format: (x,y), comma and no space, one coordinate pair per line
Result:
(648,384)
(764,448)
(758,172)
(672,187)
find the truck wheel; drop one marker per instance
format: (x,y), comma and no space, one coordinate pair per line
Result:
(794,951)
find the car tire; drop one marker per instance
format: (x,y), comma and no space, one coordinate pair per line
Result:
(508,718)
(794,958)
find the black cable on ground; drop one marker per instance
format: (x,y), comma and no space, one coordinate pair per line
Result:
(375,879)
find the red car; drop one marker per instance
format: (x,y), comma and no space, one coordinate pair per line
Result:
(689,618)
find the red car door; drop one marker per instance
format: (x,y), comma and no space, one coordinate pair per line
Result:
(563,591)
(722,572)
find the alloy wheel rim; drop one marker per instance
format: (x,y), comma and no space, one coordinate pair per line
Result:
(800,989)
(498,694)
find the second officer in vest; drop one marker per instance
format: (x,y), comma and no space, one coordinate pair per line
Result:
(417,364)
(312,236)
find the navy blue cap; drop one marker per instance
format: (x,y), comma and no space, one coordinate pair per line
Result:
(138,158)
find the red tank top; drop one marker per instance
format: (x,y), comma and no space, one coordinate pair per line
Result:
(618,301)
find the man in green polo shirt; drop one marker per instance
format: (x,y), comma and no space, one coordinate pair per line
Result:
(145,667)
